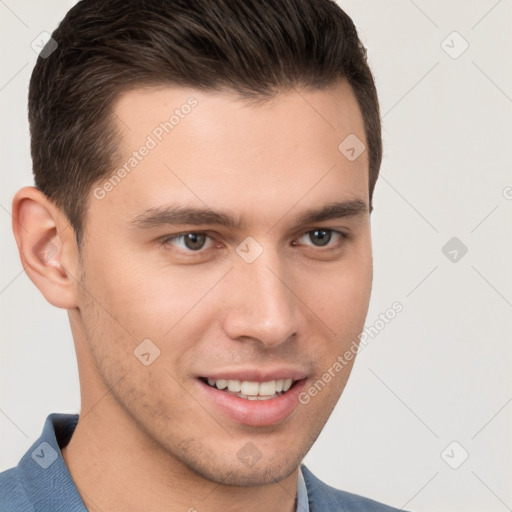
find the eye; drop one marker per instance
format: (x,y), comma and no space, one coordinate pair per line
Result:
(321,237)
(189,241)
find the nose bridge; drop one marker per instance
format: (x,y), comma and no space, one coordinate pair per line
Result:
(262,306)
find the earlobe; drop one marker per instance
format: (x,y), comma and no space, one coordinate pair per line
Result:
(47,246)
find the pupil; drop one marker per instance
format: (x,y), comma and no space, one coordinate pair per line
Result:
(320,237)
(194,241)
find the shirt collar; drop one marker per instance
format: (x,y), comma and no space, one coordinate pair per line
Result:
(302,494)
(44,473)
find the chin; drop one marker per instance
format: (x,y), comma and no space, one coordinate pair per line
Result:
(250,477)
(238,473)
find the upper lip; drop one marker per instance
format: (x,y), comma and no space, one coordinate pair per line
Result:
(257,374)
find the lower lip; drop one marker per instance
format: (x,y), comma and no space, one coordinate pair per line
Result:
(257,413)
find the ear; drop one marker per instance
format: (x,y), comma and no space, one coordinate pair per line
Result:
(47,246)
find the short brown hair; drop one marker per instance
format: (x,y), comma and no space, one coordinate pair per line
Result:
(251,47)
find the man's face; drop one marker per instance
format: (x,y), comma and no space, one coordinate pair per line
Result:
(225,245)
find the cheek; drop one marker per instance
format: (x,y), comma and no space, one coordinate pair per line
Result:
(339,294)
(114,335)
(151,296)
(170,305)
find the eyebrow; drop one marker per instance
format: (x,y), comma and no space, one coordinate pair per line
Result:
(175,215)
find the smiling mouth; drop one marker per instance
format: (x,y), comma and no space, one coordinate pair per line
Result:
(251,390)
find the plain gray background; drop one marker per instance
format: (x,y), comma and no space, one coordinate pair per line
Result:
(434,385)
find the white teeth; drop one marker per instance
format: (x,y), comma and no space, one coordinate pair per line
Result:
(252,390)
(234,385)
(249,388)
(267,388)
(221,384)
(267,397)
(250,397)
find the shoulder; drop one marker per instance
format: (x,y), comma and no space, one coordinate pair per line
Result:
(13,497)
(323,497)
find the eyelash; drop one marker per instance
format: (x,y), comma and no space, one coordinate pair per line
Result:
(167,240)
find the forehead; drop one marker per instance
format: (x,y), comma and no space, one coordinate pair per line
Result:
(181,145)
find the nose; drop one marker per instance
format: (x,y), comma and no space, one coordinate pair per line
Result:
(261,304)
